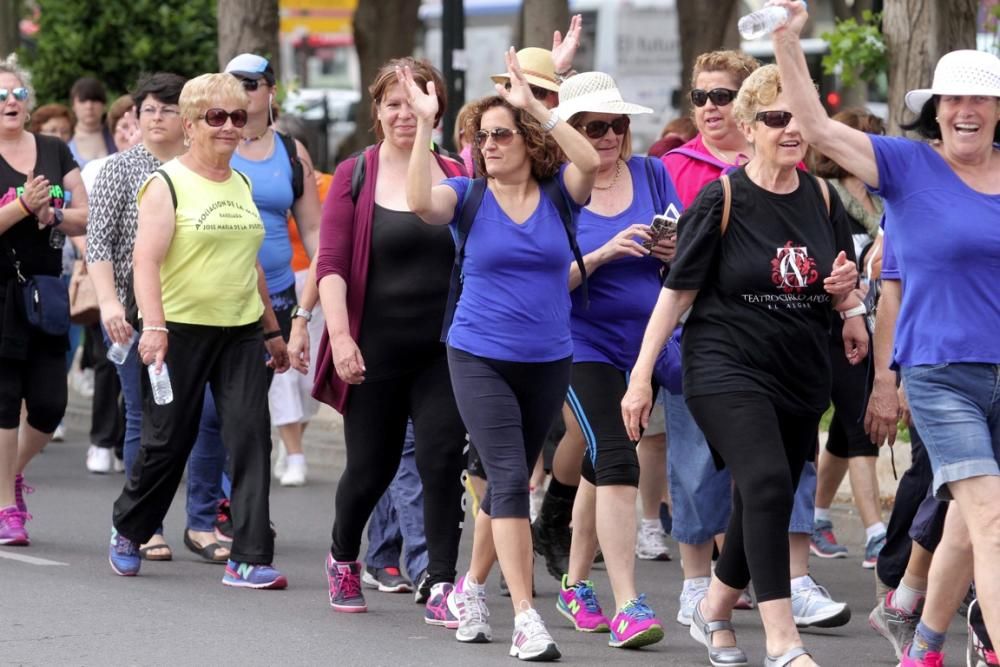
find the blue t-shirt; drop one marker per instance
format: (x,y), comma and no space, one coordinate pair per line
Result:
(515,300)
(272,192)
(623,292)
(945,247)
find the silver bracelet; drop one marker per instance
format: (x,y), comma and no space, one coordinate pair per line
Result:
(551,122)
(163,329)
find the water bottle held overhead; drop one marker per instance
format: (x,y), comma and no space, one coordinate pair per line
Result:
(762,22)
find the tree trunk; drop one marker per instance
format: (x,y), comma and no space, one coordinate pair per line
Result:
(703,27)
(539,19)
(918,33)
(10,34)
(383,29)
(248,26)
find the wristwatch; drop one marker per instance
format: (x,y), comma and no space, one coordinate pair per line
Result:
(58,215)
(854,312)
(303,313)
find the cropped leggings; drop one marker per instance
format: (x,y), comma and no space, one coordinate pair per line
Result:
(374,429)
(765,449)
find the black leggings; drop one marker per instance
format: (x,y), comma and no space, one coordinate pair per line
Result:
(849,393)
(508,407)
(595,395)
(39,381)
(374,428)
(765,449)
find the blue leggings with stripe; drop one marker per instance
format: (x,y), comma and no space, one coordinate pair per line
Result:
(595,394)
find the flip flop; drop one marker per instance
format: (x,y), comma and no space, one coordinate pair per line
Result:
(149,552)
(208,552)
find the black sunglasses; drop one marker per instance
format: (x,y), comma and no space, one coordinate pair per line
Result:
(218,117)
(541,94)
(596,129)
(249,85)
(501,135)
(720,96)
(775,119)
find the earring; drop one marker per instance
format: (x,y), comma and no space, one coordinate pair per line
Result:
(936,119)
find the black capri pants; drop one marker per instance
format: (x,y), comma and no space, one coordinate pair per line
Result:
(508,407)
(851,388)
(764,448)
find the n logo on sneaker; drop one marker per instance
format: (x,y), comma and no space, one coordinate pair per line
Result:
(243,570)
(574,607)
(623,626)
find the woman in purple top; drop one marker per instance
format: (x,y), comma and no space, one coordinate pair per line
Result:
(946,318)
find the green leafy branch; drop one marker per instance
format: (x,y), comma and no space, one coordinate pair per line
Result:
(857,50)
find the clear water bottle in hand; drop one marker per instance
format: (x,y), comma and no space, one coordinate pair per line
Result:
(118,352)
(163,393)
(762,22)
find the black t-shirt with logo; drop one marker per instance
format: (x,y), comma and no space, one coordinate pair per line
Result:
(761,321)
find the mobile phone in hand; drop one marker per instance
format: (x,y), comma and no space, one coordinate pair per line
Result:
(664,226)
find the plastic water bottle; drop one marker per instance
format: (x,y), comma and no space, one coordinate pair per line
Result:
(163,393)
(118,352)
(762,22)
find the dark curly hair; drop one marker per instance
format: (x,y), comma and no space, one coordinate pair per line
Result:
(543,151)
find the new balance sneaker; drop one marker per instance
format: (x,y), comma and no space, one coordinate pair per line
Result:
(531,641)
(99,460)
(20,491)
(249,575)
(467,603)
(823,542)
(896,625)
(635,626)
(930,659)
(436,610)
(345,586)
(12,532)
(979,651)
(123,554)
(872,550)
(579,604)
(813,607)
(651,541)
(386,580)
(693,591)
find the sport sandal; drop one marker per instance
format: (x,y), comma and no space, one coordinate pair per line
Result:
(787,657)
(718,656)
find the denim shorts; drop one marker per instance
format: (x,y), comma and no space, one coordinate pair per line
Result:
(956,408)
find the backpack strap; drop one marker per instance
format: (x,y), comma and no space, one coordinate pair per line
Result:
(550,187)
(470,207)
(824,189)
(653,190)
(298,172)
(358,175)
(727,202)
(170,185)
(706,158)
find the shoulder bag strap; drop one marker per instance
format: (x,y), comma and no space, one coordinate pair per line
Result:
(170,186)
(727,202)
(550,187)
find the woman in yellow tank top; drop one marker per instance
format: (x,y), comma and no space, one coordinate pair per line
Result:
(205,313)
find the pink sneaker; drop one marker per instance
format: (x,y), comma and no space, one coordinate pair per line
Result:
(579,604)
(345,586)
(12,532)
(20,491)
(930,659)
(635,625)
(436,610)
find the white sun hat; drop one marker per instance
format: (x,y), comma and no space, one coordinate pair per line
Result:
(595,92)
(964,72)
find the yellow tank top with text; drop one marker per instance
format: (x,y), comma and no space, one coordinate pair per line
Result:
(209,275)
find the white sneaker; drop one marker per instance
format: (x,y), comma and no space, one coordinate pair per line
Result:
(531,641)
(118,465)
(281,461)
(651,541)
(83,382)
(59,434)
(813,607)
(99,460)
(295,473)
(467,603)
(694,590)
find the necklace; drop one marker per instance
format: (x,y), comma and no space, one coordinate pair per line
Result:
(250,140)
(614,179)
(738,159)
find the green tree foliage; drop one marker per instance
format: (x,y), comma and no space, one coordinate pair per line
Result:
(857,50)
(117,41)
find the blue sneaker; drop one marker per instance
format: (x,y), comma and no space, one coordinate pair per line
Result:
(872,550)
(248,575)
(823,542)
(123,554)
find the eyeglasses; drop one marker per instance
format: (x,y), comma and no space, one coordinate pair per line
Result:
(720,96)
(596,129)
(541,94)
(20,94)
(249,85)
(775,119)
(501,135)
(163,112)
(217,117)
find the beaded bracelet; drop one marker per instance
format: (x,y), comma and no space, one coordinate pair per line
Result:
(163,329)
(24,207)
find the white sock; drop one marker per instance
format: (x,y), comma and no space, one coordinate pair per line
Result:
(873,531)
(822,514)
(700,582)
(655,523)
(472,584)
(906,599)
(295,459)
(798,583)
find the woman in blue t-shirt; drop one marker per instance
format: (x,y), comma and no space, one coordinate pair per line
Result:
(510,345)
(942,201)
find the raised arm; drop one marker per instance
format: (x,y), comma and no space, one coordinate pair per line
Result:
(850,148)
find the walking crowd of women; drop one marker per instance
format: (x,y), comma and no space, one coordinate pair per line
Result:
(452,306)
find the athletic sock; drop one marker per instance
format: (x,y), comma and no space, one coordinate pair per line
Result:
(822,514)
(925,641)
(294,459)
(798,583)
(701,582)
(873,531)
(907,599)
(560,490)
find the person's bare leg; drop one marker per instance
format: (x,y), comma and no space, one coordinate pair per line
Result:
(30,441)
(616,531)
(652,454)
(512,537)
(483,550)
(538,474)
(696,559)
(917,568)
(830,471)
(780,631)
(798,554)
(584,544)
(864,487)
(291,435)
(8,464)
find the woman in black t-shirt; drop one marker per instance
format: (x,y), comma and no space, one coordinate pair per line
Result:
(762,286)
(37,180)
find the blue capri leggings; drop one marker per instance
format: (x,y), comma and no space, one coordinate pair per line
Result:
(508,408)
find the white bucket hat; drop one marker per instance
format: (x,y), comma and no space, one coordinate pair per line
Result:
(595,92)
(964,72)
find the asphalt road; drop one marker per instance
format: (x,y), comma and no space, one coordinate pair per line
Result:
(60,604)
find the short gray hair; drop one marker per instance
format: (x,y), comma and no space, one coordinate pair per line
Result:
(10,66)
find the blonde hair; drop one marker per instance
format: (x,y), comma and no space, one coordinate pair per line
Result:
(10,66)
(201,92)
(760,89)
(735,63)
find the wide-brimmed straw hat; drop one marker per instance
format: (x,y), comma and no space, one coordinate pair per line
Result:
(964,72)
(536,64)
(595,92)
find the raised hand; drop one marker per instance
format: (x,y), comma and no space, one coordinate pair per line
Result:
(520,94)
(564,49)
(424,105)
(797,16)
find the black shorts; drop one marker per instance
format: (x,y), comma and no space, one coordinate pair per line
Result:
(851,388)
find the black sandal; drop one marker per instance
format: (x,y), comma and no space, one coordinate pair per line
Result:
(208,552)
(149,552)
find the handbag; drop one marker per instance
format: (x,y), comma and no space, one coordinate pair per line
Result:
(44,300)
(83,304)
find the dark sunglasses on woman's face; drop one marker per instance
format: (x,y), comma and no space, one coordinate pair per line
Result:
(596,129)
(720,96)
(20,94)
(541,94)
(775,119)
(250,85)
(217,117)
(501,135)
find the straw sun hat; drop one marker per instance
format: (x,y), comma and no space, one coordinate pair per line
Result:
(963,72)
(536,64)
(595,92)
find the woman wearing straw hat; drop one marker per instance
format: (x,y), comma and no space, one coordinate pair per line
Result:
(624,282)
(945,320)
